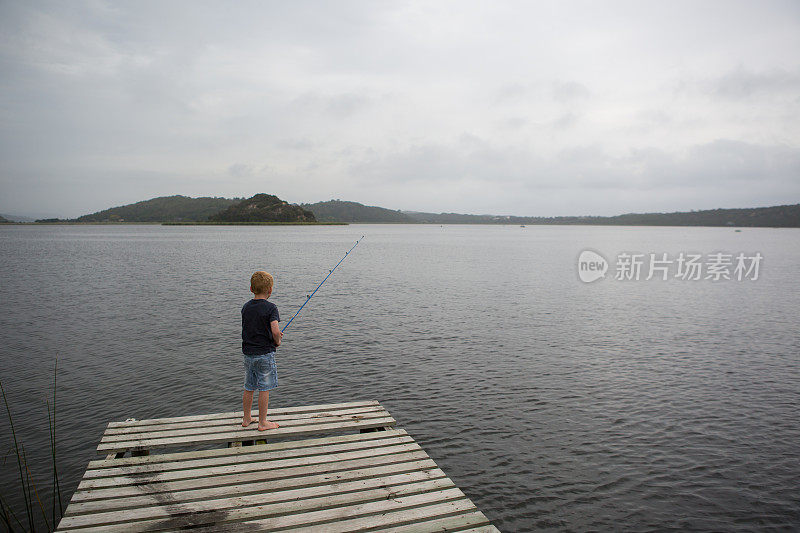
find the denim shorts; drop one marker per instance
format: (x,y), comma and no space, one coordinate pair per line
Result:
(260,372)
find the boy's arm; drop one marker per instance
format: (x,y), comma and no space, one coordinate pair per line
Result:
(277,334)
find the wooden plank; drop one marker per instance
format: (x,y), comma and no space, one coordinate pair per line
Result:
(154,428)
(236,426)
(154,517)
(252,434)
(242,458)
(150,475)
(426,519)
(475,521)
(424,467)
(299,511)
(277,411)
(221,452)
(449,501)
(482,529)
(261,476)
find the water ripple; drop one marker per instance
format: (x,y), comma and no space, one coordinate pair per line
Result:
(554,405)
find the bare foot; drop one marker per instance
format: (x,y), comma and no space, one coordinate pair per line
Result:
(246,422)
(268,425)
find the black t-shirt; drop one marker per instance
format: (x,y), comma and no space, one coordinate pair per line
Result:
(257,315)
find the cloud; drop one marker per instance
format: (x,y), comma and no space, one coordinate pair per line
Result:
(295,144)
(723,171)
(513,92)
(339,106)
(239,170)
(512,123)
(744,83)
(459,106)
(568,91)
(566,120)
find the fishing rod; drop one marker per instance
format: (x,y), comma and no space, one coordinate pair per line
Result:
(320,285)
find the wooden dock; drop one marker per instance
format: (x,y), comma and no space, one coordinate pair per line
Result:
(328,468)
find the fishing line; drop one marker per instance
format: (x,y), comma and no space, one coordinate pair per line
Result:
(320,285)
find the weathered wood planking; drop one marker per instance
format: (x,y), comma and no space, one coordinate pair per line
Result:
(121,432)
(121,437)
(375,481)
(235,414)
(235,425)
(243,455)
(99,464)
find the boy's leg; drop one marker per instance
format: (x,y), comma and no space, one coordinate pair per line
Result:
(263,403)
(247,406)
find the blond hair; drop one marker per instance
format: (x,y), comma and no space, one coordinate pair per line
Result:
(261,282)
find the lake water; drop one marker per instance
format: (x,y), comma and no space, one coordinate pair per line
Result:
(554,404)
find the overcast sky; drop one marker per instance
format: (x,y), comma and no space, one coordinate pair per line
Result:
(527,108)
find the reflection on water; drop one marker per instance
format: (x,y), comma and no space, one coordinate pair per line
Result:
(550,402)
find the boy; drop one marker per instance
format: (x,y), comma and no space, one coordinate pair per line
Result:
(260,337)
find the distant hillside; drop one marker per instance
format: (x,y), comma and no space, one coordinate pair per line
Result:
(263,208)
(4,220)
(163,209)
(16,218)
(340,211)
(455,218)
(782,216)
(268,208)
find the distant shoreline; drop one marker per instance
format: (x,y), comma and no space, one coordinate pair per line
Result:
(265,209)
(253,223)
(174,224)
(532,224)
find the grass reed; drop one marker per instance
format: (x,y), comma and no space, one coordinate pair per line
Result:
(32,502)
